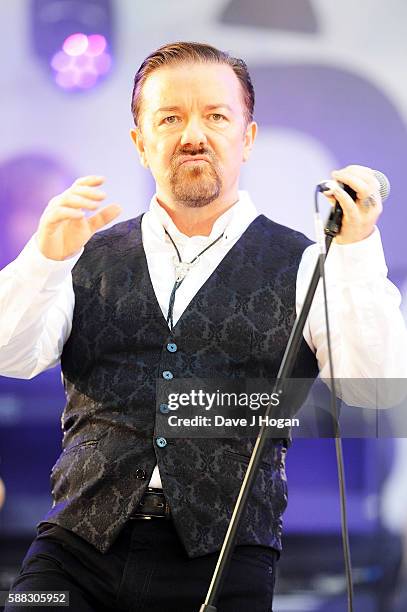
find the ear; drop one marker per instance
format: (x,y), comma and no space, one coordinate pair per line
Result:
(137,138)
(249,138)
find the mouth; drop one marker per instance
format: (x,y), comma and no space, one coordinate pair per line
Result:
(194,160)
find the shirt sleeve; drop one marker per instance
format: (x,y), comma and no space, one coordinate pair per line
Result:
(36,308)
(368,332)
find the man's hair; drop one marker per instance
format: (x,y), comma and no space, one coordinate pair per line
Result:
(189,52)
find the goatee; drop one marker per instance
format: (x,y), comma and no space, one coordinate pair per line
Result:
(195,185)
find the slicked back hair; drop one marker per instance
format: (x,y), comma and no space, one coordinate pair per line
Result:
(191,52)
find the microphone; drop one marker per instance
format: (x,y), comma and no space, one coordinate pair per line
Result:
(382,178)
(334,222)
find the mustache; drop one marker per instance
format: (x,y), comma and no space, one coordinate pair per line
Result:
(192,152)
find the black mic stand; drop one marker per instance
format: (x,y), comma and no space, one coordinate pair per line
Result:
(331,230)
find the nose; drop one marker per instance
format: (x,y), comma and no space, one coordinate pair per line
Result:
(193,133)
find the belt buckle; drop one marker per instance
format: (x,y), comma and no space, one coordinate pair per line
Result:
(139,514)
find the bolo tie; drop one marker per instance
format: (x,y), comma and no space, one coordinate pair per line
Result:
(181,270)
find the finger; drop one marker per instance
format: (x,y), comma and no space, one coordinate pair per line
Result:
(359,185)
(63,213)
(329,191)
(349,206)
(91,179)
(367,174)
(363,171)
(329,197)
(88,192)
(75,201)
(104,216)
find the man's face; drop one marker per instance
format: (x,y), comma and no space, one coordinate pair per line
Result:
(193,134)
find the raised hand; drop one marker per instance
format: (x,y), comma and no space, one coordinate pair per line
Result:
(64,227)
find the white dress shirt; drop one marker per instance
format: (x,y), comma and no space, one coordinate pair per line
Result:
(368,334)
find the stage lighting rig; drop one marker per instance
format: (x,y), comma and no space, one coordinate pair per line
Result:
(75,39)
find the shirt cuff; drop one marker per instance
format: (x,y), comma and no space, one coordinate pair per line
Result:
(361,261)
(31,265)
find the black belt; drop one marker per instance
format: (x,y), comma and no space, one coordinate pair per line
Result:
(153,504)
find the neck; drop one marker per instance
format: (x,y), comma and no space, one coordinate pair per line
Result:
(196,221)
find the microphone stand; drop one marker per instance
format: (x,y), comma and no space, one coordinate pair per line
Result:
(332,228)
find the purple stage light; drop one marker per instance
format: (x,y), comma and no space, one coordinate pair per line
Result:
(87,80)
(103,63)
(66,79)
(82,62)
(70,35)
(61,61)
(76,44)
(96,44)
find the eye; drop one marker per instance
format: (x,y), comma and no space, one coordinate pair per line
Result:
(218,118)
(170,119)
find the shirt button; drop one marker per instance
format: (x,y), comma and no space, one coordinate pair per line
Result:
(161,442)
(140,474)
(172,347)
(168,375)
(164,408)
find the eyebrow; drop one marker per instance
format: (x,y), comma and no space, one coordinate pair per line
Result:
(214,106)
(164,109)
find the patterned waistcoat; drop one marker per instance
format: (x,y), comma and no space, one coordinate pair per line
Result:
(236,326)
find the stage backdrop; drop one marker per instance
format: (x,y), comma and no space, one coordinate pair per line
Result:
(330,91)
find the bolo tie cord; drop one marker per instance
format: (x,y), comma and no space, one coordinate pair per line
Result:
(181,270)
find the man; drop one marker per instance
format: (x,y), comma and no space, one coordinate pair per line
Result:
(141,307)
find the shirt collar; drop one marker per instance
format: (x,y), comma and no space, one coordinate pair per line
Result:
(233,222)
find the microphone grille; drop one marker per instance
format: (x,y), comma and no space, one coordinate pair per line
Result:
(384,184)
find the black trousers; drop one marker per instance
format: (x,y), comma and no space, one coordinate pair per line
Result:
(145,570)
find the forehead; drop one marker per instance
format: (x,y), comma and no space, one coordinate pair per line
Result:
(187,84)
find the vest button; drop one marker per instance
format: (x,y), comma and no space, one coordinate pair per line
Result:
(161,442)
(164,408)
(172,347)
(140,474)
(168,375)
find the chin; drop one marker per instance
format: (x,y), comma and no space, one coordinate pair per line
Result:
(196,199)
